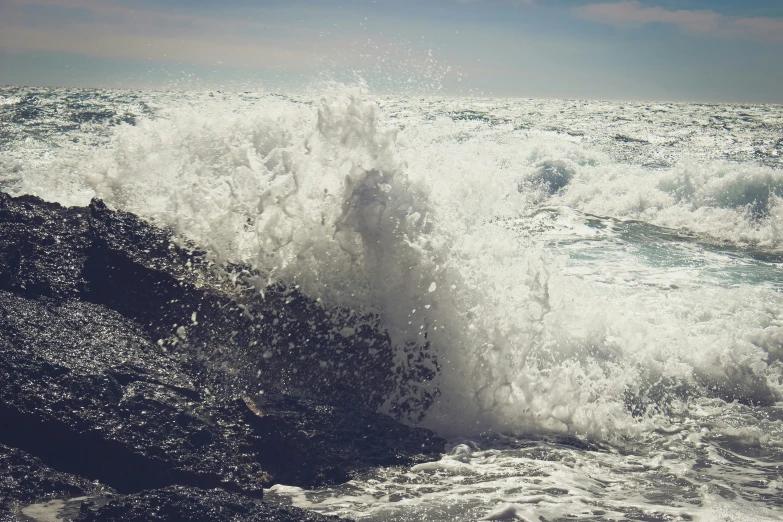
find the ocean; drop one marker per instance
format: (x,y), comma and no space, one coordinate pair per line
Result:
(600,284)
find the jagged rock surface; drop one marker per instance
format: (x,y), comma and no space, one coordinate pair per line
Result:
(126,359)
(84,390)
(24,480)
(114,259)
(332,444)
(185,504)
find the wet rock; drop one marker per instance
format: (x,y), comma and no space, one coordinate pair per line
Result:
(269,336)
(83,389)
(184,504)
(309,444)
(24,480)
(43,247)
(131,361)
(78,376)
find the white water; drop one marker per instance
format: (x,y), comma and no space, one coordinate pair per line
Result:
(444,217)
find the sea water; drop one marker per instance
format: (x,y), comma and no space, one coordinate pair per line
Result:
(600,283)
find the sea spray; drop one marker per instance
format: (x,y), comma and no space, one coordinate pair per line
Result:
(566,270)
(450,227)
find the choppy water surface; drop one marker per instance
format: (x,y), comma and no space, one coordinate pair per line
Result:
(602,283)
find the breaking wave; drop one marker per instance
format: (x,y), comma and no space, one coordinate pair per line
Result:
(409,218)
(724,201)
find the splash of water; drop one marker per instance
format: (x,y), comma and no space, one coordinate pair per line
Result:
(413,226)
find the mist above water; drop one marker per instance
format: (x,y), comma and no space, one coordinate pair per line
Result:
(429,213)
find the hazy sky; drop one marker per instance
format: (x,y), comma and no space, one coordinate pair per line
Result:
(702,50)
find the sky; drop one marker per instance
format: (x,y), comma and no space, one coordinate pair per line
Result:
(668,50)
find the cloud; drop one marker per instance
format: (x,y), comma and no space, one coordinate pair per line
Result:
(170,49)
(112,30)
(771,28)
(513,2)
(634,14)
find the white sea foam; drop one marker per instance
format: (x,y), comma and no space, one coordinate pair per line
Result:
(737,203)
(433,221)
(695,472)
(9,100)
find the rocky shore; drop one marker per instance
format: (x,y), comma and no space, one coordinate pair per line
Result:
(139,381)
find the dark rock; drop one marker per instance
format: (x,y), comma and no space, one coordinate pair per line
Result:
(84,390)
(135,416)
(279,339)
(310,444)
(25,480)
(185,504)
(127,359)
(43,247)
(296,345)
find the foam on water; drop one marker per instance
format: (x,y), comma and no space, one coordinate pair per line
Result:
(737,203)
(432,220)
(711,467)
